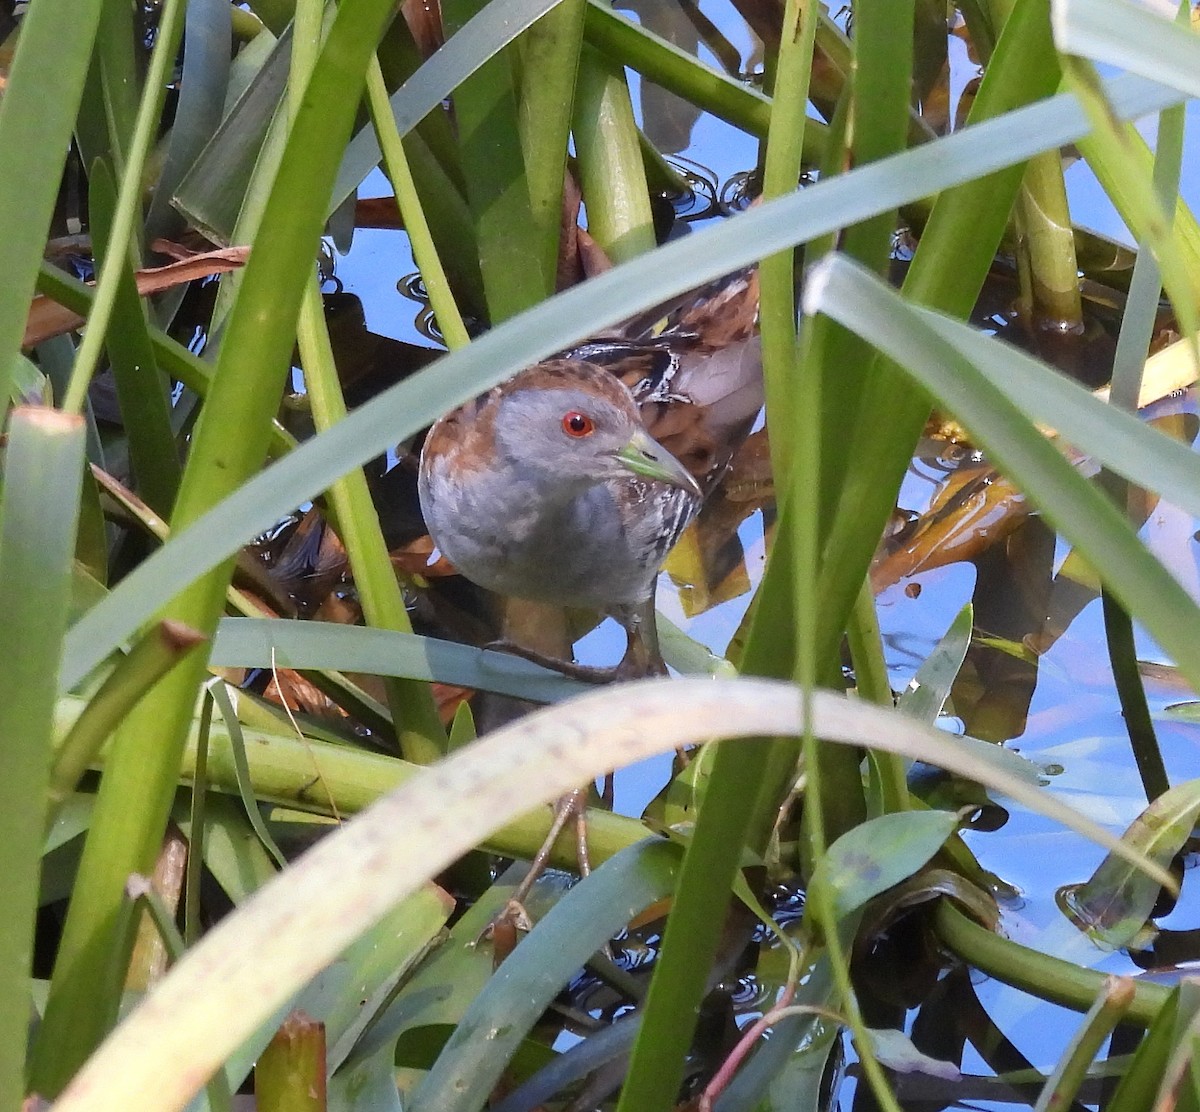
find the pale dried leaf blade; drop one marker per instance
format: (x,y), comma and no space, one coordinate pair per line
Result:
(48,319)
(252,962)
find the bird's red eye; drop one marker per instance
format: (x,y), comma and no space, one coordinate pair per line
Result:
(577,424)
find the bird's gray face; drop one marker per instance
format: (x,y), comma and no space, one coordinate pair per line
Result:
(573,438)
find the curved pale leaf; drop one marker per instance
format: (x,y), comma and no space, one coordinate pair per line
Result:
(1130,36)
(284,935)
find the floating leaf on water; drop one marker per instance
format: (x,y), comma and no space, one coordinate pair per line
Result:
(1113,906)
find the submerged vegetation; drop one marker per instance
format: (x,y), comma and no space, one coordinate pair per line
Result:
(175,518)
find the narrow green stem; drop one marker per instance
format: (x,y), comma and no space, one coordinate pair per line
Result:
(866,650)
(155,654)
(172,357)
(834,802)
(162,58)
(485,108)
(1122,654)
(141,386)
(887,770)
(952,259)
(1048,978)
(782,634)
(418,728)
(1109,1009)
(395,162)
(1137,325)
(777,316)
(195,864)
(1121,161)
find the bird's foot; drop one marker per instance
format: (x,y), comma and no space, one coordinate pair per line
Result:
(585,673)
(572,807)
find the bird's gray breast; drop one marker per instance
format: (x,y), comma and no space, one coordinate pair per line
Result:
(601,546)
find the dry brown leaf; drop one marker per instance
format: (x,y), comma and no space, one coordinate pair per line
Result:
(414,559)
(974,509)
(448,698)
(424,19)
(188,267)
(48,319)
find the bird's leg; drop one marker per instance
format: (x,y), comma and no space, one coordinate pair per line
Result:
(643,657)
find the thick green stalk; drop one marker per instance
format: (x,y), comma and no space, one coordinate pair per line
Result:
(485,108)
(1048,243)
(39,510)
(609,157)
(281,771)
(726,823)
(108,281)
(35,134)
(147,662)
(878,124)
(781,638)
(657,60)
(1045,238)
(1048,978)
(693,931)
(549,53)
(290,1075)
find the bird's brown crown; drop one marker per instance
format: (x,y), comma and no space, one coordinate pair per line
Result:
(465,440)
(570,374)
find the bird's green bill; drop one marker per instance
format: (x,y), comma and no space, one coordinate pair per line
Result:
(644,456)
